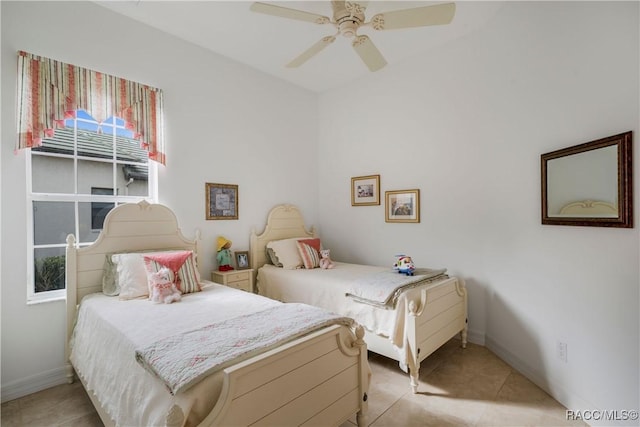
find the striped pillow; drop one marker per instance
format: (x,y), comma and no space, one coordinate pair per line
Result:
(315,243)
(181,263)
(309,254)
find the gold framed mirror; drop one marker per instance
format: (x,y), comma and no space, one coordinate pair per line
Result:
(589,184)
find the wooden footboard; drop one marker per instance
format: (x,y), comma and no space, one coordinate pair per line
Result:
(440,314)
(434,316)
(321,381)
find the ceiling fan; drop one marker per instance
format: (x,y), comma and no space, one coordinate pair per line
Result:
(349,16)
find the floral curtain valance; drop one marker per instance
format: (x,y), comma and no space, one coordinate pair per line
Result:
(51,91)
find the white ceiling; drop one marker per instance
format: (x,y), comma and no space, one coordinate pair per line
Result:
(268,42)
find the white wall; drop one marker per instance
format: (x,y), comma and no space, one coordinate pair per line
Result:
(466,124)
(224,123)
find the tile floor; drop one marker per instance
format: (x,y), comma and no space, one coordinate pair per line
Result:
(459,387)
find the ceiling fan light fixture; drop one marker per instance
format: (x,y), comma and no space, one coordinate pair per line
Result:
(348,28)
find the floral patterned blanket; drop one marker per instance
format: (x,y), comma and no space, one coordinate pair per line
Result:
(182,360)
(382,289)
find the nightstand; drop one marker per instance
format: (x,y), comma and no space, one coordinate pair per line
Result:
(238,279)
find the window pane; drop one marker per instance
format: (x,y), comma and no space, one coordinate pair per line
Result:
(130,150)
(93,174)
(52,174)
(108,127)
(52,222)
(135,180)
(91,218)
(89,143)
(92,127)
(92,144)
(99,210)
(61,142)
(82,114)
(49,269)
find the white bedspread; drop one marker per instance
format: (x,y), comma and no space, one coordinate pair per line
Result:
(185,359)
(108,332)
(383,288)
(327,289)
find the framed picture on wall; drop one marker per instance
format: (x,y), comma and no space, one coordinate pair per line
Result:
(365,190)
(221,201)
(242,260)
(402,206)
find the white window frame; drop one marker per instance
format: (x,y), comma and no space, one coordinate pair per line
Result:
(34,297)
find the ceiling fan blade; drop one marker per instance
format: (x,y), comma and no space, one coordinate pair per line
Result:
(311,52)
(439,14)
(354,7)
(285,12)
(369,53)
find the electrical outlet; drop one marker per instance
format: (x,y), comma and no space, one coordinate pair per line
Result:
(562,351)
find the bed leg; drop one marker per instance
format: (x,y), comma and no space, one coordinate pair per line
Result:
(69,374)
(413,376)
(361,419)
(463,336)
(365,375)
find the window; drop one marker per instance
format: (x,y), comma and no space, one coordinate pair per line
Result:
(75,156)
(99,210)
(76,177)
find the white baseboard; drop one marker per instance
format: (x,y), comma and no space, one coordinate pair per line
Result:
(33,384)
(538,378)
(476,337)
(566,397)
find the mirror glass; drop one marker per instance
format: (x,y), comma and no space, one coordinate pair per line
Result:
(589,184)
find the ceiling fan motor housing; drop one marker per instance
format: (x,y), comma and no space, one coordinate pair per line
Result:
(347,22)
(348,28)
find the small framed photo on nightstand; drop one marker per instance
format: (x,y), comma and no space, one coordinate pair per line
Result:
(242,260)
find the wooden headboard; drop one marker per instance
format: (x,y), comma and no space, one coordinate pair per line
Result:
(589,208)
(283,222)
(129,227)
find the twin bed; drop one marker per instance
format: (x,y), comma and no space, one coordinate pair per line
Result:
(318,375)
(299,356)
(421,316)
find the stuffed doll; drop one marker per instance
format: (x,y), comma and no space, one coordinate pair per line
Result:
(224,254)
(162,288)
(325,261)
(404,265)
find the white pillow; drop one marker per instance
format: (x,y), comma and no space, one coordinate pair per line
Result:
(132,275)
(286,251)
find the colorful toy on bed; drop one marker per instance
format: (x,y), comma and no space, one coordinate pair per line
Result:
(404,265)
(325,260)
(162,287)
